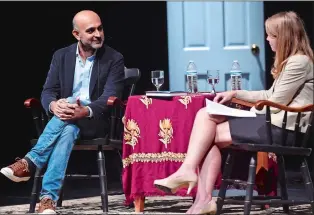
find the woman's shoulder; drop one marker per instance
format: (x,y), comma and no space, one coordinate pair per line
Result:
(300,59)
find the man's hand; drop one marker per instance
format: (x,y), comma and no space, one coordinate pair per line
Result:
(61,108)
(79,110)
(67,111)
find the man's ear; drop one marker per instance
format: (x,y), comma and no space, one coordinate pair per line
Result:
(76,34)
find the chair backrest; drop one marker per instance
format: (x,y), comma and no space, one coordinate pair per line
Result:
(306,143)
(132,75)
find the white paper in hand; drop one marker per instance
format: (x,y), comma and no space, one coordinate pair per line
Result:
(219,109)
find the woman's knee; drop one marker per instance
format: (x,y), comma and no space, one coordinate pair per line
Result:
(203,114)
(223,136)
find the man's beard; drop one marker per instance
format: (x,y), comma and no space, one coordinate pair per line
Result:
(91,47)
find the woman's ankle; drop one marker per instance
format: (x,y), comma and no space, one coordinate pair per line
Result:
(203,200)
(186,170)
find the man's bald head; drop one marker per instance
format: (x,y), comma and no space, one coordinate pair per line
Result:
(88,30)
(84,17)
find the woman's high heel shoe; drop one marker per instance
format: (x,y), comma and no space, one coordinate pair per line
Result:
(172,185)
(210,208)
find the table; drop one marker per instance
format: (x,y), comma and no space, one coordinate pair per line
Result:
(156,137)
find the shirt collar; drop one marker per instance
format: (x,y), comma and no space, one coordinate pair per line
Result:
(90,58)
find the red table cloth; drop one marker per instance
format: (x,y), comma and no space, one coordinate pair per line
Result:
(156,137)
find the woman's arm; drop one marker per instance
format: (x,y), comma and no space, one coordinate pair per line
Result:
(253,96)
(292,78)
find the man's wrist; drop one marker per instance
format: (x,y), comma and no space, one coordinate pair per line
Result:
(89,112)
(51,106)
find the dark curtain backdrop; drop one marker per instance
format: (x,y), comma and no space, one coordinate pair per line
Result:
(32,31)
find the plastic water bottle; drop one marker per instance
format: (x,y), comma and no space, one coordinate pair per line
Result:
(191,77)
(235,75)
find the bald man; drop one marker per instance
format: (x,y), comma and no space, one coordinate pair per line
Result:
(81,78)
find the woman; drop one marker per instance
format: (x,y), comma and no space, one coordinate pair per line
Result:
(293,86)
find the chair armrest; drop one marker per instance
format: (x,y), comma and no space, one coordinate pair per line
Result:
(259,105)
(242,102)
(32,103)
(113,101)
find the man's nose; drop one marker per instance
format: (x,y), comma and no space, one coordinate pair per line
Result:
(97,34)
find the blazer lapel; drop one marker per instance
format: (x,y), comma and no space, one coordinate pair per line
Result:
(94,76)
(96,71)
(70,60)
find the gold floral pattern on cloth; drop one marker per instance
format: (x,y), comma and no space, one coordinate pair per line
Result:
(131,133)
(185,100)
(146,101)
(166,131)
(153,158)
(272,156)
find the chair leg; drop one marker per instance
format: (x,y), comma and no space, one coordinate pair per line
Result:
(308,182)
(250,185)
(103,179)
(283,182)
(35,191)
(224,184)
(59,202)
(121,167)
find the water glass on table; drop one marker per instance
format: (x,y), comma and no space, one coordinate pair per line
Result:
(213,79)
(157,77)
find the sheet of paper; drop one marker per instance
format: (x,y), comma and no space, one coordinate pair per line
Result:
(219,109)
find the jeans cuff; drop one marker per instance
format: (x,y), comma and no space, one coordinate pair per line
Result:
(29,156)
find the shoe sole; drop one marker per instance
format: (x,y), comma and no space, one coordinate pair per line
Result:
(169,190)
(10,176)
(163,188)
(48,211)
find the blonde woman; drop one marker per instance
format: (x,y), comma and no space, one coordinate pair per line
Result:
(293,86)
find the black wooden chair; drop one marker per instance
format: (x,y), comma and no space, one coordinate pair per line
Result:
(112,142)
(299,149)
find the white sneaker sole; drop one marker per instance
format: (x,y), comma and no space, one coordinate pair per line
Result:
(9,174)
(48,211)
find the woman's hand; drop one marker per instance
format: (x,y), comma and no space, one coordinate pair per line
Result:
(224,96)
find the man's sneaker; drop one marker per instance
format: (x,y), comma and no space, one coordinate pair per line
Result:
(18,171)
(46,206)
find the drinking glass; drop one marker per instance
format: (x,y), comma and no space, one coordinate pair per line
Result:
(157,78)
(213,79)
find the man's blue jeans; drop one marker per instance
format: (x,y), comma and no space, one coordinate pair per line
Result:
(54,146)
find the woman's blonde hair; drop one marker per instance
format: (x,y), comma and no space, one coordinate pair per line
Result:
(288,29)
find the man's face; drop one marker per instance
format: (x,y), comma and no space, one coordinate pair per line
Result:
(90,33)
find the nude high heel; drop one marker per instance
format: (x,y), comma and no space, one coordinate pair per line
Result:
(172,185)
(210,208)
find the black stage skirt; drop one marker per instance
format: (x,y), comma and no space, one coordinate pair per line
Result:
(254,130)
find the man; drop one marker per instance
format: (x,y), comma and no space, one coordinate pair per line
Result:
(81,78)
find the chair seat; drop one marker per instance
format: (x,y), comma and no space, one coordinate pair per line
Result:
(280,150)
(95,141)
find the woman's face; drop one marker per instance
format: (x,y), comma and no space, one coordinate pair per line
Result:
(272,42)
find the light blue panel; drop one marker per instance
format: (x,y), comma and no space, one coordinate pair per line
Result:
(194,25)
(213,34)
(235,24)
